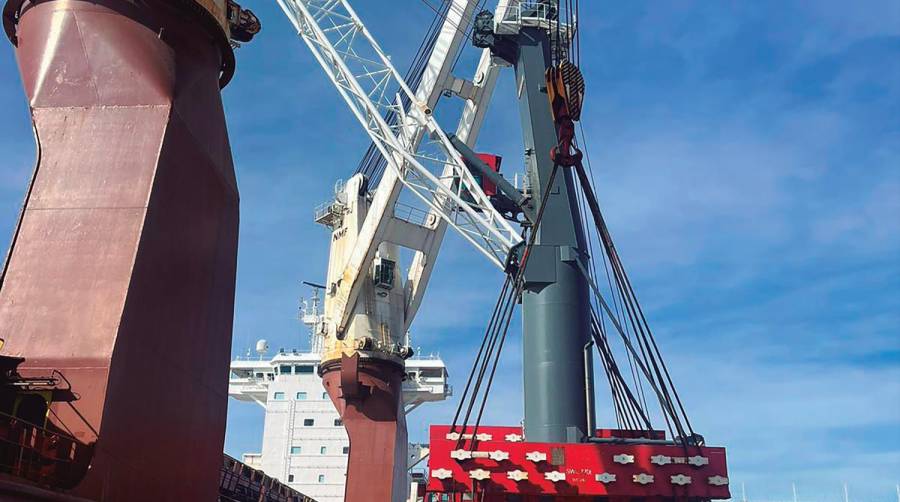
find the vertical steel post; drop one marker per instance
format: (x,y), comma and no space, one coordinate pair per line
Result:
(555,299)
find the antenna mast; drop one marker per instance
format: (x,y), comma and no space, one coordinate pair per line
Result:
(311,316)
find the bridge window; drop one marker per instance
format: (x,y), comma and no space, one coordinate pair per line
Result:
(303,369)
(285,369)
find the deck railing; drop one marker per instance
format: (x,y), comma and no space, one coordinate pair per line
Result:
(42,456)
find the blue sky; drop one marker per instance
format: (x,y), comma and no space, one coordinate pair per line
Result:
(747,157)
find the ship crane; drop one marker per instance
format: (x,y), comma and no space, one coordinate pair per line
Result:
(368,306)
(133,197)
(548,264)
(436,174)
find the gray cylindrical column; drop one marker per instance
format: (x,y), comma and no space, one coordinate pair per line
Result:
(554,336)
(555,300)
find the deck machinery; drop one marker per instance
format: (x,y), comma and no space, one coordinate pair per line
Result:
(558,451)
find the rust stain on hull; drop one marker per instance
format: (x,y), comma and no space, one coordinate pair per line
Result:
(122,269)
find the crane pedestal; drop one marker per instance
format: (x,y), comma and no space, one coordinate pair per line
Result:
(368,394)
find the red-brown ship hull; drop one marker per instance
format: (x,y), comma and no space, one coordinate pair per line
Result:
(122,269)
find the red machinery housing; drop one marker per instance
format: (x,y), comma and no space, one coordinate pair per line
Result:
(493,161)
(502,464)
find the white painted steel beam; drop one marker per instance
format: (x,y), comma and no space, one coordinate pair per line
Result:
(467,131)
(431,169)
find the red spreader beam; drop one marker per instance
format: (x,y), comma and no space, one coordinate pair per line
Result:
(501,464)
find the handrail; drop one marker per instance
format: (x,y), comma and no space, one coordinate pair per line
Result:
(44,456)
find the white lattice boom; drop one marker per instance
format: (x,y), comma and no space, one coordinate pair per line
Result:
(366,79)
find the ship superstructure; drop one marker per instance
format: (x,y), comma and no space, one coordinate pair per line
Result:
(304,442)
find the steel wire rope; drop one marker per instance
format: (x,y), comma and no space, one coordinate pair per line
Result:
(568,40)
(507,309)
(634,409)
(589,238)
(665,400)
(413,79)
(641,336)
(636,329)
(622,419)
(618,316)
(373,163)
(632,405)
(555,54)
(618,310)
(508,312)
(480,351)
(646,341)
(627,296)
(519,286)
(577,32)
(624,411)
(469,30)
(618,415)
(461,31)
(613,373)
(644,369)
(659,356)
(505,303)
(592,270)
(485,362)
(632,305)
(639,384)
(664,384)
(590,233)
